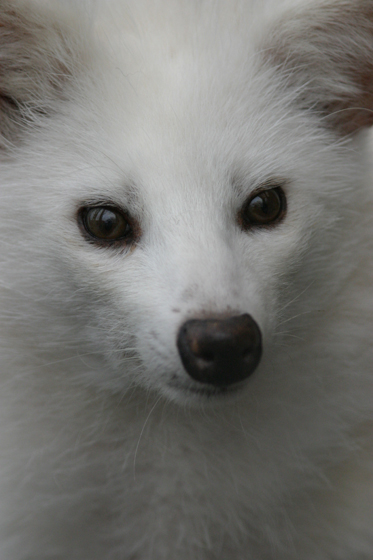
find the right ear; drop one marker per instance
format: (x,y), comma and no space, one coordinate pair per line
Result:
(323,50)
(36,61)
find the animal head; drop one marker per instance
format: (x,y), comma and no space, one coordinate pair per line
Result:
(180,186)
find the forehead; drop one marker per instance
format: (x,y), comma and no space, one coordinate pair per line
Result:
(179,95)
(179,79)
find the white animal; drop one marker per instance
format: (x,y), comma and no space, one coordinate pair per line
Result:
(186,299)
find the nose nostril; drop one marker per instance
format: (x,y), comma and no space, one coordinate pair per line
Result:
(205,356)
(200,350)
(220,351)
(248,350)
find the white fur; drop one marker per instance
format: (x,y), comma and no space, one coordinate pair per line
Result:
(177,110)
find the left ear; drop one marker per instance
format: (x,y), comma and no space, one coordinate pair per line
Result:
(325,55)
(38,57)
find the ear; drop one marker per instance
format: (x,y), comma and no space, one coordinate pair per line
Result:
(36,62)
(325,55)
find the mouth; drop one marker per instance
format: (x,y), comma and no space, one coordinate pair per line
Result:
(205,391)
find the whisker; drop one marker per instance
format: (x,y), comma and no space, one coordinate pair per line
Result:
(284,333)
(294,317)
(296,297)
(141,433)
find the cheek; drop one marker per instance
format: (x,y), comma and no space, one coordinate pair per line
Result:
(268,261)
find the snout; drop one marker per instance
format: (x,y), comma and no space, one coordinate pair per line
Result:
(220,352)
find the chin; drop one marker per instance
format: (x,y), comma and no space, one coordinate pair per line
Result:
(202,394)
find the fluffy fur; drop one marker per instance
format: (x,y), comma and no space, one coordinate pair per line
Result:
(177,110)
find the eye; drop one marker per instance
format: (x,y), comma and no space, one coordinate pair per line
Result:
(105,223)
(264,208)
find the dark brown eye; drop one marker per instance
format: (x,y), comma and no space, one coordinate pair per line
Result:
(264,208)
(105,223)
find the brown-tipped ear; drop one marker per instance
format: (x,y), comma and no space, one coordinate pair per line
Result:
(36,61)
(325,53)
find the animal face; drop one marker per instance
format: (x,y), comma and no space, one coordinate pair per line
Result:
(189,209)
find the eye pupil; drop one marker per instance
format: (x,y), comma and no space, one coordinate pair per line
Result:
(105,223)
(265,208)
(260,205)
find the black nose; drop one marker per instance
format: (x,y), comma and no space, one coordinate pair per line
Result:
(220,351)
